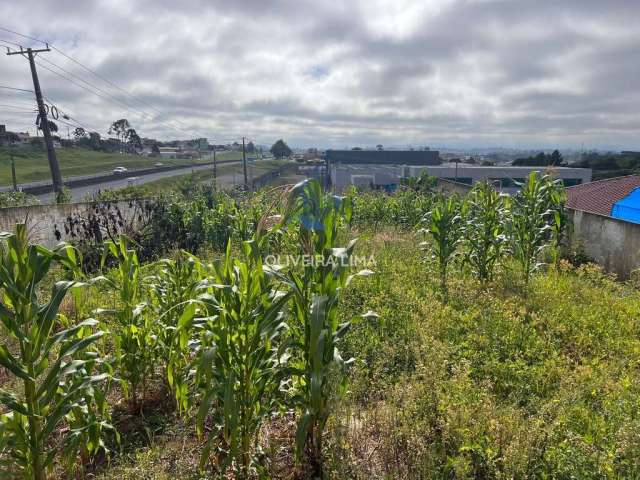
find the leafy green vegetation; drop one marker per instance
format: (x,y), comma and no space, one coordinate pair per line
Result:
(493,384)
(17,199)
(484,235)
(133,336)
(444,226)
(607,165)
(53,362)
(240,358)
(248,361)
(532,217)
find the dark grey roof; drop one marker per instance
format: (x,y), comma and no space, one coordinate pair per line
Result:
(389,157)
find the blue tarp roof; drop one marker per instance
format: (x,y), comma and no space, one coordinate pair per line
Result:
(628,208)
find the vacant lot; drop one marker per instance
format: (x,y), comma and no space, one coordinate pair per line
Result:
(32,164)
(216,363)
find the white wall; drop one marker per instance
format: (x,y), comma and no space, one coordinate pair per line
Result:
(50,224)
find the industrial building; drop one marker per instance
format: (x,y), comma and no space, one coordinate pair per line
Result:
(384,170)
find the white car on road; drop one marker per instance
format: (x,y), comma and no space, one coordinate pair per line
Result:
(119,170)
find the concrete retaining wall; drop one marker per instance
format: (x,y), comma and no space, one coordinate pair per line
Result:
(614,244)
(50,224)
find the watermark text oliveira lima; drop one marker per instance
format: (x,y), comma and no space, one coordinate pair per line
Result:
(360,261)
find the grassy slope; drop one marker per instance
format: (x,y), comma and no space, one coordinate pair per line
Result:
(489,386)
(32,164)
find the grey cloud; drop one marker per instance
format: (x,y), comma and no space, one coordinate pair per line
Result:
(334,73)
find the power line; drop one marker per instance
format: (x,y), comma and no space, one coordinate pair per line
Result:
(9,42)
(67,116)
(146,116)
(93,86)
(114,85)
(98,92)
(19,107)
(94,92)
(16,98)
(17,89)
(106,80)
(22,35)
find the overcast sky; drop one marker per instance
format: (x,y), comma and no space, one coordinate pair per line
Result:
(341,73)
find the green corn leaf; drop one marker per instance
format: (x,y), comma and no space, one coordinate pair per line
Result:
(12,402)
(12,364)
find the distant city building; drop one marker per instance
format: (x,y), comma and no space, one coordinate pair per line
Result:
(23,137)
(7,137)
(168,152)
(202,144)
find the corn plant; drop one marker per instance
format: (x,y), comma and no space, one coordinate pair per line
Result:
(559,220)
(133,335)
(51,359)
(172,290)
(484,236)
(240,359)
(529,223)
(316,291)
(244,220)
(372,208)
(444,225)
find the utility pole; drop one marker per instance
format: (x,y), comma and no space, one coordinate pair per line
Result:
(244,165)
(13,168)
(30,54)
(215,170)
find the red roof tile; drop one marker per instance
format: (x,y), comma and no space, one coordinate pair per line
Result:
(599,197)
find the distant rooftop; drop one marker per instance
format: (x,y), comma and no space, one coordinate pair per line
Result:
(384,157)
(603,195)
(510,168)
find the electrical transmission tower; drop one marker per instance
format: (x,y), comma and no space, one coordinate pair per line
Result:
(30,54)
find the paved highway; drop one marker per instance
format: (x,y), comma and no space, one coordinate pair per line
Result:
(80,192)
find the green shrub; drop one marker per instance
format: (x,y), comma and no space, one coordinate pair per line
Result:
(133,330)
(316,291)
(54,362)
(172,290)
(241,359)
(444,225)
(529,222)
(17,199)
(484,237)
